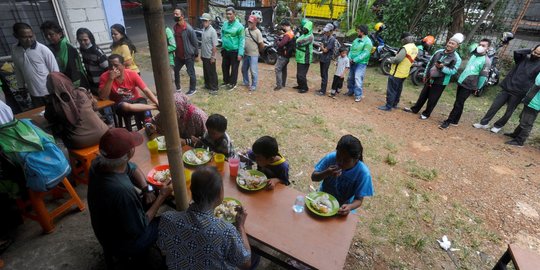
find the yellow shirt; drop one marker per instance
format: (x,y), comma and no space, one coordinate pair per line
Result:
(125,52)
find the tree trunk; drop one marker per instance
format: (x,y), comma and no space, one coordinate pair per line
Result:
(480,21)
(458,19)
(173,4)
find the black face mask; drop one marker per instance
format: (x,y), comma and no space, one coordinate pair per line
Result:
(176,19)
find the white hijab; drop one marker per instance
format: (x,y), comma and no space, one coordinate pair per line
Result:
(6,115)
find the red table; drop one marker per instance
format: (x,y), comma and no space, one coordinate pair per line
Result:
(321,243)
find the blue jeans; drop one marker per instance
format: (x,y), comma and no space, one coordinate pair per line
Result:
(393,91)
(356,79)
(251,63)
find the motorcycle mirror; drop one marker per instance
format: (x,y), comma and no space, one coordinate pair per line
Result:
(218,19)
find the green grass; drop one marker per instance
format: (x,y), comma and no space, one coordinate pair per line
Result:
(417,171)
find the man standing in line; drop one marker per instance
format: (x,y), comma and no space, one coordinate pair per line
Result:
(471,79)
(327,46)
(304,55)
(232,38)
(33,63)
(285,50)
(440,68)
(171,48)
(253,44)
(401,66)
(359,55)
(528,115)
(514,87)
(208,54)
(187,50)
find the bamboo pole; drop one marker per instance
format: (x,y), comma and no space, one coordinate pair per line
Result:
(155,28)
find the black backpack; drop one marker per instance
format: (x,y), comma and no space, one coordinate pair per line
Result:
(290,48)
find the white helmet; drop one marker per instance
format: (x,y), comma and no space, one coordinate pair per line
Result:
(458,37)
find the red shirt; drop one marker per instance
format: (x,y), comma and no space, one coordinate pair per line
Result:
(178,29)
(126,90)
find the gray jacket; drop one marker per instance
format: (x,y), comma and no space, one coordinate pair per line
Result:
(189,40)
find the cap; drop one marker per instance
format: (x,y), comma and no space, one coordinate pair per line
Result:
(458,38)
(117,142)
(328,27)
(206,17)
(253,19)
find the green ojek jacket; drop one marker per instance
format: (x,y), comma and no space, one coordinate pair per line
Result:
(232,37)
(304,44)
(171,44)
(361,50)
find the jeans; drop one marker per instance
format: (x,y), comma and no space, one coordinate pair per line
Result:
(430,93)
(462,94)
(393,91)
(281,70)
(502,98)
(190,66)
(210,74)
(356,80)
(301,76)
(229,66)
(526,122)
(250,63)
(324,75)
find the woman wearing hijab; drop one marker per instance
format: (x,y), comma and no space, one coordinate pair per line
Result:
(191,119)
(123,46)
(72,114)
(66,55)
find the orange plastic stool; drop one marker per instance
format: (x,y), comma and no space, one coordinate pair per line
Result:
(80,160)
(42,215)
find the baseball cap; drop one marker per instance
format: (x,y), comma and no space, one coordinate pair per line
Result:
(253,19)
(328,27)
(117,142)
(206,17)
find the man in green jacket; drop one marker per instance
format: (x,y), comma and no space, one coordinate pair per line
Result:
(528,115)
(232,38)
(471,79)
(304,57)
(171,47)
(359,54)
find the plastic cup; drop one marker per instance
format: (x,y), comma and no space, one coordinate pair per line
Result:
(219,159)
(298,206)
(233,166)
(152,147)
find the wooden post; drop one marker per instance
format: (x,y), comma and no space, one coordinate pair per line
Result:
(155,28)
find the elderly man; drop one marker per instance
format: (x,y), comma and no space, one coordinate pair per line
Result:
(327,44)
(514,87)
(401,65)
(122,86)
(120,224)
(443,64)
(196,239)
(232,38)
(208,54)
(253,44)
(187,50)
(33,62)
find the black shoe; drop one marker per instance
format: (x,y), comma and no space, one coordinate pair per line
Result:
(277,88)
(510,134)
(348,94)
(320,93)
(191,92)
(213,92)
(444,125)
(407,109)
(296,87)
(514,143)
(302,91)
(454,124)
(224,85)
(231,87)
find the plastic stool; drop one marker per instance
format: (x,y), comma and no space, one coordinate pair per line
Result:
(44,216)
(80,160)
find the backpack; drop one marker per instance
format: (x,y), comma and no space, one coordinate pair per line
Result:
(43,170)
(335,51)
(290,48)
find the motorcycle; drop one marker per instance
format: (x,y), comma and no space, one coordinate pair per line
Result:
(386,52)
(269,53)
(492,54)
(217,23)
(419,68)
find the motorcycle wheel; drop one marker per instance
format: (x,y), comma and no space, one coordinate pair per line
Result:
(271,58)
(418,76)
(385,66)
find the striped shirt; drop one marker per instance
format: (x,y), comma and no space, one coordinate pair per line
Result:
(95,62)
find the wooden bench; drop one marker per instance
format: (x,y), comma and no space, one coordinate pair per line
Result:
(523,259)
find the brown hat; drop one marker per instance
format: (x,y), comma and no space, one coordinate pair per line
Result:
(117,142)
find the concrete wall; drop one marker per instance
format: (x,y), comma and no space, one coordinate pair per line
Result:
(85,13)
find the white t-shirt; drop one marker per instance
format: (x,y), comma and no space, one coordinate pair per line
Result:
(342,64)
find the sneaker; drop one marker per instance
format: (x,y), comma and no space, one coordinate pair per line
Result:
(510,134)
(454,124)
(495,129)
(252,89)
(178,90)
(407,109)
(478,125)
(231,87)
(348,94)
(213,92)
(384,108)
(358,99)
(444,125)
(514,143)
(423,117)
(224,85)
(191,92)
(302,91)
(320,93)
(277,88)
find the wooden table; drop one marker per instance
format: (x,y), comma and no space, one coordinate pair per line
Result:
(320,243)
(523,259)
(39,120)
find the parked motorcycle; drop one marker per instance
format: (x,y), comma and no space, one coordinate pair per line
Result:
(419,68)
(217,23)
(269,53)
(493,77)
(385,53)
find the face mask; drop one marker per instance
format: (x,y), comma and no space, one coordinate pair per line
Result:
(177,19)
(480,49)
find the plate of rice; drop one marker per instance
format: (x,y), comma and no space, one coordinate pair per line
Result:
(159,175)
(227,209)
(197,156)
(251,180)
